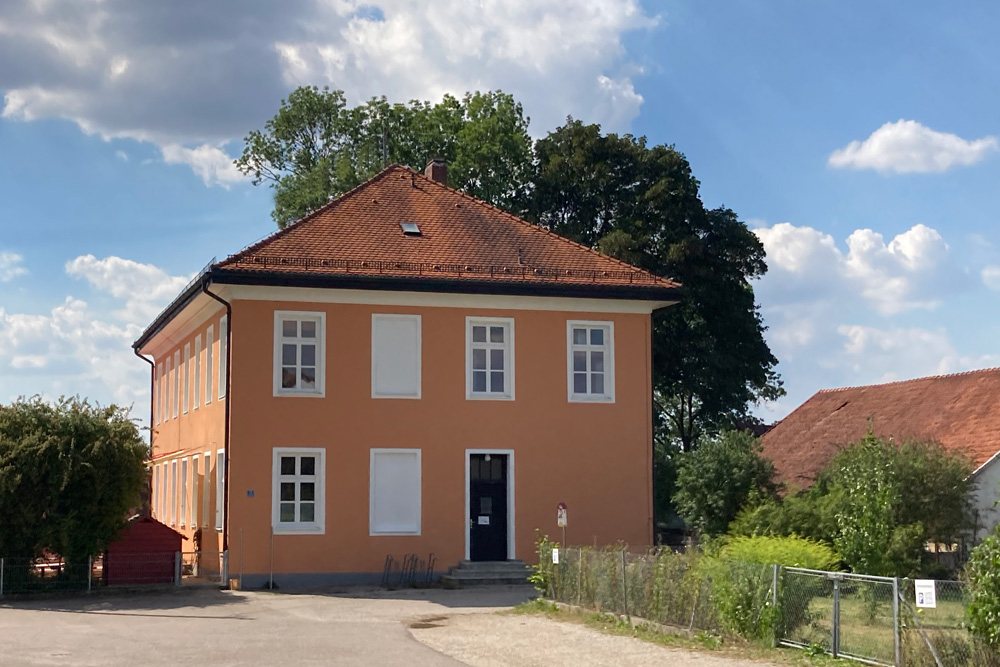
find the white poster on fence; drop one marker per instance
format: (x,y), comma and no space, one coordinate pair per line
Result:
(925,593)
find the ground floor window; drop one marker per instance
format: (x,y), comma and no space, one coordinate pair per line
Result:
(298,490)
(394,492)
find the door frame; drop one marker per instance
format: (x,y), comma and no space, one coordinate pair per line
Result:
(509,453)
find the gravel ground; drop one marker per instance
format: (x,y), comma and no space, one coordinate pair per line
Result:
(492,640)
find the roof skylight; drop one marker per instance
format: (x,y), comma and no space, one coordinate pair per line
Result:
(410,228)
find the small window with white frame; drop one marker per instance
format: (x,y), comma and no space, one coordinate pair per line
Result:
(298,490)
(489,358)
(197,372)
(591,363)
(209,365)
(299,346)
(177,382)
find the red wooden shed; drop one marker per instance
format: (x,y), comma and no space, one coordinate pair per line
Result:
(144,553)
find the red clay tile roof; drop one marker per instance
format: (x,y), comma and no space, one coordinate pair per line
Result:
(359,234)
(961,412)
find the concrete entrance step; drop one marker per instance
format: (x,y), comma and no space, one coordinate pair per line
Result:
(484,573)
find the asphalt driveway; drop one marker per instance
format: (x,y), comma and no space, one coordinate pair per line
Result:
(195,627)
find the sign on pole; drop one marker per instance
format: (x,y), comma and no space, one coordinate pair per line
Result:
(561,515)
(926,593)
(555,556)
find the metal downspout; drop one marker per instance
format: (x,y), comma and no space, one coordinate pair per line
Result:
(229,369)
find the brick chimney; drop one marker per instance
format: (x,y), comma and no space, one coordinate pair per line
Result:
(437,170)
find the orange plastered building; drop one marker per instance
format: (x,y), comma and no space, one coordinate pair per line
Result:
(406,370)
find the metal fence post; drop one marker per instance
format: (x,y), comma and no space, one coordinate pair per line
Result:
(225,568)
(177,568)
(774,602)
(624,586)
(835,640)
(90,571)
(1,577)
(897,630)
(579,580)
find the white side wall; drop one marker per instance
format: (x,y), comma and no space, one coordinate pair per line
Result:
(987,494)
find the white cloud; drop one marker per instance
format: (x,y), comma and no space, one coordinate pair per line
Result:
(991,276)
(80,349)
(144,288)
(211,163)
(913,271)
(906,146)
(121,155)
(190,79)
(10,266)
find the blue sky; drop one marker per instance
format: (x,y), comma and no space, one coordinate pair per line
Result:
(856,138)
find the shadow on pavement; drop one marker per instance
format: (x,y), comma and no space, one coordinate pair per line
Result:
(184,603)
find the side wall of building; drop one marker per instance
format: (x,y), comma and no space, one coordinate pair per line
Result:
(595,457)
(189,433)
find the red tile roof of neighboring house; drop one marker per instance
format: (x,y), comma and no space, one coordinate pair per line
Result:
(961,412)
(358,234)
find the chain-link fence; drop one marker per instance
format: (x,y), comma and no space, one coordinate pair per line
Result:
(934,636)
(870,619)
(26,576)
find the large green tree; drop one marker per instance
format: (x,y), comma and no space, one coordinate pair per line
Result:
(317,147)
(640,203)
(69,473)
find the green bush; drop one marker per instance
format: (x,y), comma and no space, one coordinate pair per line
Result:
(786,551)
(720,477)
(982,574)
(742,576)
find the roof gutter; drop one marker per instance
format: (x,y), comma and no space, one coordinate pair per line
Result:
(424,283)
(205,282)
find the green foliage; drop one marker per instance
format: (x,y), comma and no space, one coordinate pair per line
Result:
(785,551)
(641,204)
(718,478)
(982,575)
(69,474)
(878,504)
(317,147)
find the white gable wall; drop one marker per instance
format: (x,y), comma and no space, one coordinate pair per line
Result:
(987,494)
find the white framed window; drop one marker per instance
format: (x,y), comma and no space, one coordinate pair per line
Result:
(177,382)
(162,393)
(196,481)
(395,356)
(223,354)
(172,509)
(158,394)
(299,347)
(220,488)
(590,363)
(184,492)
(206,491)
(197,371)
(489,362)
(209,366)
(186,378)
(394,492)
(297,493)
(161,493)
(156,491)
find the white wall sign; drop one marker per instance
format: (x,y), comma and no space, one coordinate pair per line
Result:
(925,593)
(555,556)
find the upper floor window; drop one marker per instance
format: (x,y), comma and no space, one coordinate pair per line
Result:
(299,346)
(197,371)
(177,383)
(490,358)
(186,378)
(395,356)
(298,490)
(209,366)
(591,361)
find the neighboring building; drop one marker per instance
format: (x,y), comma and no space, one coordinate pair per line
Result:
(961,412)
(406,370)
